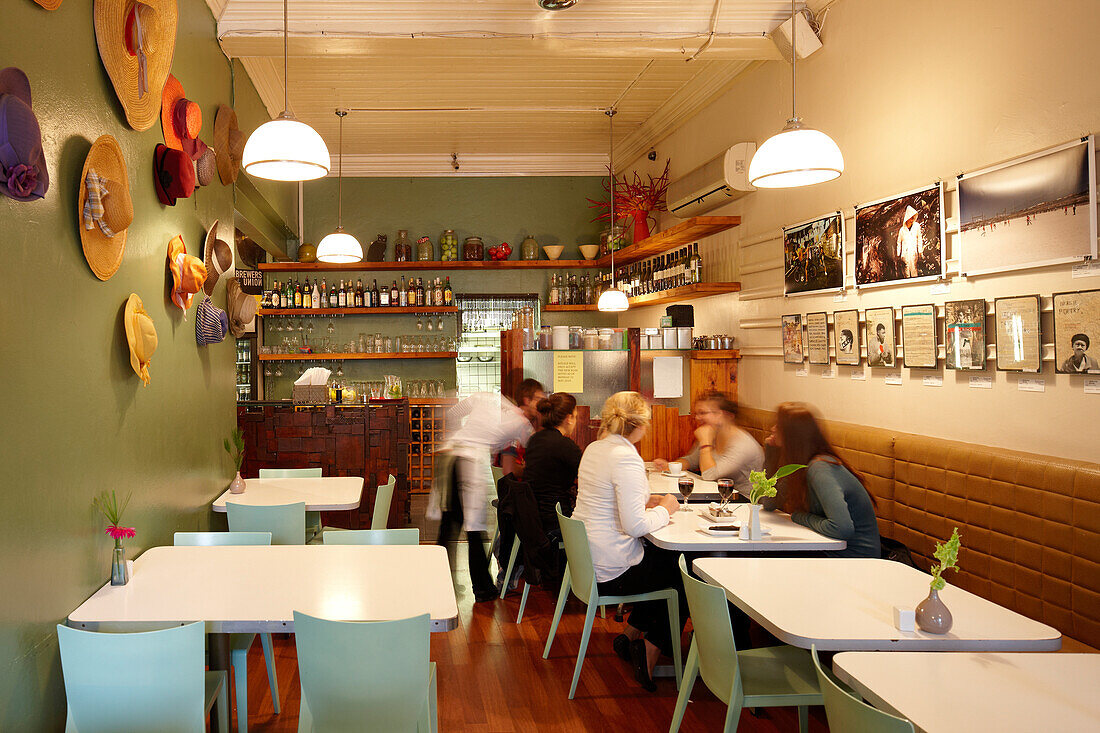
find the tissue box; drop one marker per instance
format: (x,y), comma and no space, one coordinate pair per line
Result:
(310,394)
(904,619)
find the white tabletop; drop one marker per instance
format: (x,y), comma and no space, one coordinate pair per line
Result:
(844,604)
(685,534)
(253,589)
(979,692)
(321,494)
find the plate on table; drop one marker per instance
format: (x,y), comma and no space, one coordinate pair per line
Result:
(675,475)
(725,528)
(711,512)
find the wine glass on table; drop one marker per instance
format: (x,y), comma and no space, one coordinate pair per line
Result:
(726,491)
(685,484)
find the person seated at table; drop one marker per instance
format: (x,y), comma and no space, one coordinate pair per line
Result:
(613,501)
(828,496)
(552,458)
(722,449)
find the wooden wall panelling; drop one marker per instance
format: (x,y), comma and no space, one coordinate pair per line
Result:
(713,374)
(511,361)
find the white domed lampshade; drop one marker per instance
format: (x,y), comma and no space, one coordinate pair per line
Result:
(285,149)
(797,156)
(612,300)
(340,248)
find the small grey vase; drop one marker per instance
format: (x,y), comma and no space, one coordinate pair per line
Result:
(932,615)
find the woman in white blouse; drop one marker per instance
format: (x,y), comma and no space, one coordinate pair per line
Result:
(613,501)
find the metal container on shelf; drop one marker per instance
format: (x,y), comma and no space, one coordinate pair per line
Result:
(668,337)
(560,337)
(651,338)
(683,337)
(726,342)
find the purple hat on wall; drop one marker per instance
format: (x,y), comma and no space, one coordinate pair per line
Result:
(23,174)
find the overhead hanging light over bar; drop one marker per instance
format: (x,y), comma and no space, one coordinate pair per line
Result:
(340,247)
(612,300)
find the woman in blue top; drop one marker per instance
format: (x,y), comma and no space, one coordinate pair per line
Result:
(828,497)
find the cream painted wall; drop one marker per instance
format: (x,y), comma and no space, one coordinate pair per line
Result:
(912,92)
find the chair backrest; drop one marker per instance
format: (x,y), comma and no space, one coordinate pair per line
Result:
(285,522)
(710,617)
(151,680)
(290,472)
(407,536)
(220,539)
(845,712)
(578,555)
(345,686)
(382,501)
(498,474)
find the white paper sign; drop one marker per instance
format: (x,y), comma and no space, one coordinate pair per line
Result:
(1092,386)
(1086,269)
(668,377)
(894,378)
(939,288)
(840,298)
(828,374)
(1032,385)
(802,372)
(859,375)
(933,380)
(981,382)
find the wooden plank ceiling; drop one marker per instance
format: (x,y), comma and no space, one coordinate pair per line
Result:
(508,87)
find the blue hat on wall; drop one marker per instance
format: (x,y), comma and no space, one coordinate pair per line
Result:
(23,174)
(211,323)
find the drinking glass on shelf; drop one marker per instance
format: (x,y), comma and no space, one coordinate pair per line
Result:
(278,369)
(331,327)
(685,484)
(267,369)
(378,344)
(387,347)
(438,323)
(725,491)
(340,369)
(420,323)
(430,326)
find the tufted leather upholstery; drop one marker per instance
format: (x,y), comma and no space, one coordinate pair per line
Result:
(1030,524)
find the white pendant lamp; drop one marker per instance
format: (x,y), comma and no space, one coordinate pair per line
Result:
(798,155)
(285,149)
(612,300)
(340,247)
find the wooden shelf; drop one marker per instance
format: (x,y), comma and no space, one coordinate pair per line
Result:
(343,357)
(685,292)
(563,308)
(433,401)
(716,354)
(434,265)
(684,233)
(397,310)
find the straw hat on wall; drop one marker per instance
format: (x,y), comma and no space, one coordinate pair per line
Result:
(128,32)
(49,4)
(141,336)
(228,144)
(115,210)
(218,258)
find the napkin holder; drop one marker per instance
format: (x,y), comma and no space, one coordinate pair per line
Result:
(309,394)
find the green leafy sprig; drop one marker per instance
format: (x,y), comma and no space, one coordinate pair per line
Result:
(948,556)
(236,450)
(108,505)
(764,487)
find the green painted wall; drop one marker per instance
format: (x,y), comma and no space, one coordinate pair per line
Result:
(77,420)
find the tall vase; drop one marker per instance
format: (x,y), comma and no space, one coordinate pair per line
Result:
(237,485)
(641,226)
(750,528)
(120,573)
(932,614)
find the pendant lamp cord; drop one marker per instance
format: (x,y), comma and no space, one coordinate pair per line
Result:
(794,60)
(286,54)
(611,176)
(341,113)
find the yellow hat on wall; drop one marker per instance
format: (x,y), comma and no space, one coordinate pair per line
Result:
(141,336)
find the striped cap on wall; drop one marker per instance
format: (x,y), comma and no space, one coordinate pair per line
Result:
(211,323)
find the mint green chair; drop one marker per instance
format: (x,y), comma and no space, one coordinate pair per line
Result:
(146,681)
(239,644)
(382,500)
(778,676)
(345,686)
(408,536)
(845,712)
(285,522)
(313,519)
(580,575)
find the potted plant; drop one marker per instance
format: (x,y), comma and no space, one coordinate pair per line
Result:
(762,488)
(932,614)
(236,450)
(109,506)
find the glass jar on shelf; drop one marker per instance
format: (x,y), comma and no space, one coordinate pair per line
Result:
(402,250)
(448,246)
(473,249)
(609,243)
(529,249)
(425,252)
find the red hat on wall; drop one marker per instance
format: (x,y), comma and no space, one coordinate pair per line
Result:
(173,174)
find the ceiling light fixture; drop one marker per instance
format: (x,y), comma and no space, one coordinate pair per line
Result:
(556,4)
(285,149)
(340,247)
(612,300)
(797,155)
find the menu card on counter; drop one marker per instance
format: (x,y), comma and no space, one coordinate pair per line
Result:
(569,371)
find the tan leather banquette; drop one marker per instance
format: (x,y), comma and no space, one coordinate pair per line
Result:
(1030,524)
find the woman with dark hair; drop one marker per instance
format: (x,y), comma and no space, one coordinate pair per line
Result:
(828,497)
(552,458)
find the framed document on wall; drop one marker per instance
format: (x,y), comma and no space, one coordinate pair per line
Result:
(1019,337)
(846,332)
(964,334)
(817,338)
(918,336)
(1077,332)
(880,337)
(792,339)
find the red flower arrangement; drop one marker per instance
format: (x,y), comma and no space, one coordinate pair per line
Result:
(119,533)
(635,200)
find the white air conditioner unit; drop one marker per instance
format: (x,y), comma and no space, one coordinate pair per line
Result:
(716,182)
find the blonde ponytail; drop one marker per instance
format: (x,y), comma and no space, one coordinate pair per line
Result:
(623,413)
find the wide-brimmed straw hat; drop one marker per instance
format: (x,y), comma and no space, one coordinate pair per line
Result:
(49,4)
(173,174)
(141,336)
(228,144)
(249,253)
(218,258)
(115,213)
(181,120)
(188,273)
(23,173)
(206,168)
(241,308)
(128,33)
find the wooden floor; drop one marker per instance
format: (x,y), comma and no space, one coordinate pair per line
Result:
(492,677)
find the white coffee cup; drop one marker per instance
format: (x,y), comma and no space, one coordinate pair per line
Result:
(675,468)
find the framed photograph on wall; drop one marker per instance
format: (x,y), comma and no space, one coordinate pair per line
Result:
(792,339)
(1077,332)
(918,336)
(964,334)
(1029,212)
(813,255)
(1019,337)
(880,337)
(846,331)
(900,239)
(817,338)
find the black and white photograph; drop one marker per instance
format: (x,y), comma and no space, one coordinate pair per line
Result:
(880,337)
(1029,212)
(1077,332)
(792,339)
(964,334)
(1019,334)
(846,329)
(900,238)
(813,255)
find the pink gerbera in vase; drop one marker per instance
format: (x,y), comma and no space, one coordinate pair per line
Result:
(110,507)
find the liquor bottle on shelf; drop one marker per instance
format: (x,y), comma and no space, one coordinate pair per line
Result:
(272,300)
(448,294)
(695,265)
(383,295)
(288,294)
(316,296)
(402,297)
(341,296)
(410,293)
(307,295)
(438,296)
(553,299)
(359,293)
(394,297)
(419,291)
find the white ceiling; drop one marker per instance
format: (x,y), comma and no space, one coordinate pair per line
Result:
(510,88)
